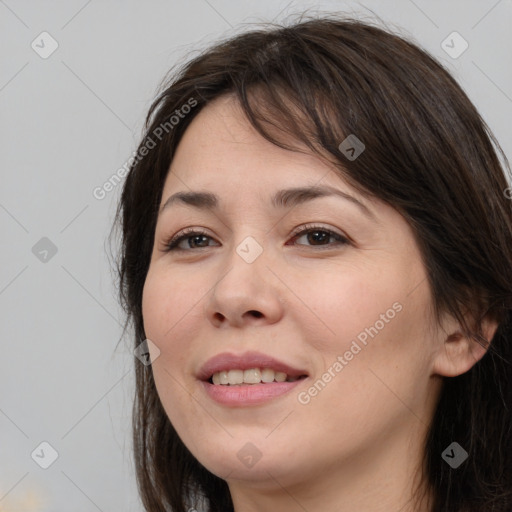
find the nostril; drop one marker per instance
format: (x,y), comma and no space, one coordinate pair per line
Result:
(257,314)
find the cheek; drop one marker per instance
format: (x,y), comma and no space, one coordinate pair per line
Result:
(168,302)
(171,313)
(372,320)
(171,310)
(345,304)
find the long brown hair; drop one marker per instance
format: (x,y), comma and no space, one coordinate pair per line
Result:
(428,153)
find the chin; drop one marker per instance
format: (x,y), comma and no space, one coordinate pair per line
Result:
(242,459)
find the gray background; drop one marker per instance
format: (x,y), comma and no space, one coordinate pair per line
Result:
(67,124)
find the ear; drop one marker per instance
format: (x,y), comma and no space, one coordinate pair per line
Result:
(457,352)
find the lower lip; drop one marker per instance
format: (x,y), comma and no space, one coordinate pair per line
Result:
(248,394)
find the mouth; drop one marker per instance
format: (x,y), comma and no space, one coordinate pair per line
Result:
(228,368)
(247,379)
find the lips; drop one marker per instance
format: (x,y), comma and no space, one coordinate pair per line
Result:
(246,361)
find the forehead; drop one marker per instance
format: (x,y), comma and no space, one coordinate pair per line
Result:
(220,148)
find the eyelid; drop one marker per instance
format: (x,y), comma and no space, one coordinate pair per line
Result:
(181,235)
(312,226)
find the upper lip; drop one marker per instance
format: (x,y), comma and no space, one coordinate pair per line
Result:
(245,361)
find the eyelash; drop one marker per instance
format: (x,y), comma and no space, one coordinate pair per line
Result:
(172,244)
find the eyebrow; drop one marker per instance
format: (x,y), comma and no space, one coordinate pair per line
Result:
(286,198)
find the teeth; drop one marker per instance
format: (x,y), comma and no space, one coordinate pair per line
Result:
(251,376)
(267,375)
(280,376)
(235,377)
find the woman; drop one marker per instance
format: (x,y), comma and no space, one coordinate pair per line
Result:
(317,251)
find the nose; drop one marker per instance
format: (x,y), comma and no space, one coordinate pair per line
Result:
(248,293)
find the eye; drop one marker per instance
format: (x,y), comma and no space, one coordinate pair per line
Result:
(191,236)
(194,238)
(319,236)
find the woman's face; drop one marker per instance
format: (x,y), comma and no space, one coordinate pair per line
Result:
(347,309)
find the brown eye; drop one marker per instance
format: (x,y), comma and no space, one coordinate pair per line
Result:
(319,236)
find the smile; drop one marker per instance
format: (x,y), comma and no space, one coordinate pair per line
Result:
(250,378)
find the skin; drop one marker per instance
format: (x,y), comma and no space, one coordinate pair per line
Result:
(358,441)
